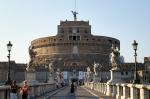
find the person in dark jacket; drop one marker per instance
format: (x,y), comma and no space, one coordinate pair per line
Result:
(13,90)
(72,88)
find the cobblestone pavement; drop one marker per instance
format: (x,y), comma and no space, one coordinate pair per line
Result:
(80,93)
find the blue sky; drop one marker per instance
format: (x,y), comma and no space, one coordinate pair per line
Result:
(22,21)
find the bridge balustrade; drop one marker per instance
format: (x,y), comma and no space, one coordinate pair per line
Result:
(121,90)
(4,92)
(35,90)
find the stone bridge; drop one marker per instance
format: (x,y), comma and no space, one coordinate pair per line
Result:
(88,91)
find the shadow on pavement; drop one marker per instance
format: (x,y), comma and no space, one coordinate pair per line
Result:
(73,96)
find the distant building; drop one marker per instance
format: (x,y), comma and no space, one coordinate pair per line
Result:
(127,71)
(18,72)
(146,70)
(122,59)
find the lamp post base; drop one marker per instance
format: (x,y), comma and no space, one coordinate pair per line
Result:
(136,81)
(8,82)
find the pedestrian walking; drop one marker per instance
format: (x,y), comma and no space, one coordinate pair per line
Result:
(13,90)
(72,88)
(75,86)
(25,90)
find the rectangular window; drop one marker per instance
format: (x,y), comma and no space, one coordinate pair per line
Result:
(78,37)
(74,38)
(70,37)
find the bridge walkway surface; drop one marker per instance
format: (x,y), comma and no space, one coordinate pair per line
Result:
(80,93)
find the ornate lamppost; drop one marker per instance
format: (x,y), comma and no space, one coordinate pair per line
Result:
(8,82)
(135,80)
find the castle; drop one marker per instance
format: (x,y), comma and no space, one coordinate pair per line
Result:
(72,50)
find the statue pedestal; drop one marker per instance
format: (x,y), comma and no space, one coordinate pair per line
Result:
(115,76)
(96,78)
(51,79)
(31,77)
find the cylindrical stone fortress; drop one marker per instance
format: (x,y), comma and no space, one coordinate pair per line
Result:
(74,47)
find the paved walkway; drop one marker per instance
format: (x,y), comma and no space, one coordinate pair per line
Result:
(100,95)
(80,93)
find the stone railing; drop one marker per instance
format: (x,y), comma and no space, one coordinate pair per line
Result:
(4,92)
(35,90)
(121,91)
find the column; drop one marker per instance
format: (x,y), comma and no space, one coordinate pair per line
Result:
(134,92)
(108,92)
(114,93)
(144,93)
(126,91)
(118,96)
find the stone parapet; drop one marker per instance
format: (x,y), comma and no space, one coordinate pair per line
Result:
(36,90)
(122,90)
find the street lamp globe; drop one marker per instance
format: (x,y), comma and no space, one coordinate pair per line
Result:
(135,44)
(9,45)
